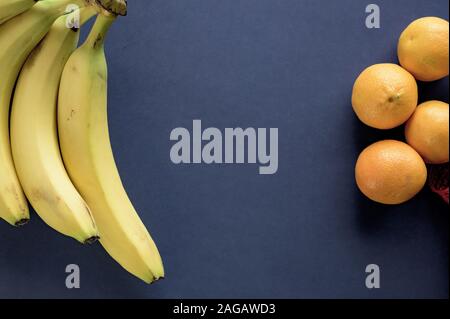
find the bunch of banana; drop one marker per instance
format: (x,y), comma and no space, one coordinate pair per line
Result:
(54,144)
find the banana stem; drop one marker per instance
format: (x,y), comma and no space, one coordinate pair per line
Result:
(79,17)
(118,7)
(86,13)
(96,38)
(64,6)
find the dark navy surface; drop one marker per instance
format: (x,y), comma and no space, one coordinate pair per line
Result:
(224,231)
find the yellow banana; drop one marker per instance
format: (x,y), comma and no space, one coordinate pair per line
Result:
(87,154)
(18,37)
(34,136)
(11,8)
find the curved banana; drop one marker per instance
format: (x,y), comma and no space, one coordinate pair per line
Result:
(18,37)
(11,8)
(87,154)
(34,136)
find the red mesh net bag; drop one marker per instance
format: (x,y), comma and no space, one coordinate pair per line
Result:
(438,179)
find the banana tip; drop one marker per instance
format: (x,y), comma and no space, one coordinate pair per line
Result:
(91,240)
(155,280)
(22,222)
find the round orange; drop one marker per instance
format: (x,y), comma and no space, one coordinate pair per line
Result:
(390,172)
(384,96)
(427,131)
(423,48)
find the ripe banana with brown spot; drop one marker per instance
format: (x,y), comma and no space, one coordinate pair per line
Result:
(18,37)
(87,154)
(34,136)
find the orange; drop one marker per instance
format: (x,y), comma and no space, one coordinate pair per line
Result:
(390,172)
(427,131)
(384,96)
(423,48)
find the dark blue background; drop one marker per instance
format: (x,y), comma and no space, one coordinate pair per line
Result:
(225,231)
